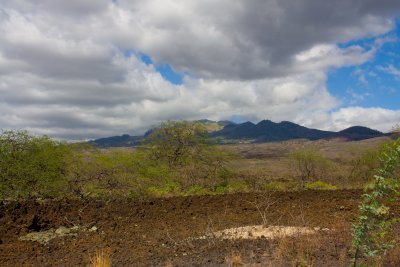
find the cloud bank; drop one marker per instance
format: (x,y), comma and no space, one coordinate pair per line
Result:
(72,69)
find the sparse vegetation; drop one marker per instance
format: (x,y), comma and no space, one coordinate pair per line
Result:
(177,159)
(102,258)
(373,234)
(319,185)
(309,165)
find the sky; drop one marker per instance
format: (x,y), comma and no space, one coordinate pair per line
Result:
(78,70)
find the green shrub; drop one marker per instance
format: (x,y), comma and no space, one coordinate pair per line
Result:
(169,189)
(279,186)
(319,185)
(197,190)
(309,165)
(373,234)
(183,152)
(30,165)
(231,187)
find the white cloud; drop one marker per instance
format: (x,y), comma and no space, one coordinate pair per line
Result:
(64,71)
(375,118)
(392,70)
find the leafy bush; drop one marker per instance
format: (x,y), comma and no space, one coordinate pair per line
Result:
(363,167)
(197,190)
(168,189)
(177,159)
(30,166)
(373,234)
(177,143)
(319,185)
(309,165)
(231,187)
(92,172)
(280,186)
(186,155)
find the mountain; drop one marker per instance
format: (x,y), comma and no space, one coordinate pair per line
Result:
(267,131)
(125,140)
(358,133)
(213,126)
(264,131)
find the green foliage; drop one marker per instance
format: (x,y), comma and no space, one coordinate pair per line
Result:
(279,186)
(183,151)
(231,187)
(168,189)
(309,165)
(364,166)
(96,173)
(372,235)
(177,143)
(197,190)
(29,165)
(396,131)
(177,159)
(319,185)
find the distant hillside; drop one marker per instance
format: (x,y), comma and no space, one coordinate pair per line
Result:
(213,126)
(267,131)
(356,133)
(118,141)
(127,140)
(264,131)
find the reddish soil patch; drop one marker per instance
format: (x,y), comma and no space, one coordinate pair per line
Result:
(159,232)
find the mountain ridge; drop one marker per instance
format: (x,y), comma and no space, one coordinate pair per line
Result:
(263,131)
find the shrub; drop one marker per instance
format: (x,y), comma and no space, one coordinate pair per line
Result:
(309,165)
(279,186)
(197,190)
(30,165)
(373,234)
(94,173)
(168,189)
(319,185)
(232,186)
(364,166)
(186,154)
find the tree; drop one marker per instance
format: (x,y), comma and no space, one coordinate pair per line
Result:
(308,164)
(184,149)
(177,143)
(30,165)
(363,166)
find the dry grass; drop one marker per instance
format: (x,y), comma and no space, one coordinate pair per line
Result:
(261,164)
(234,260)
(305,250)
(102,258)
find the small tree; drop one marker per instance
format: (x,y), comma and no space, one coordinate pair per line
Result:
(308,164)
(30,165)
(183,147)
(363,166)
(177,142)
(396,131)
(95,173)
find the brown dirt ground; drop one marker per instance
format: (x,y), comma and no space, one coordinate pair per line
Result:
(160,232)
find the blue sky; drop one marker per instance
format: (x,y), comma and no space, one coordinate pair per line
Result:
(164,69)
(370,84)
